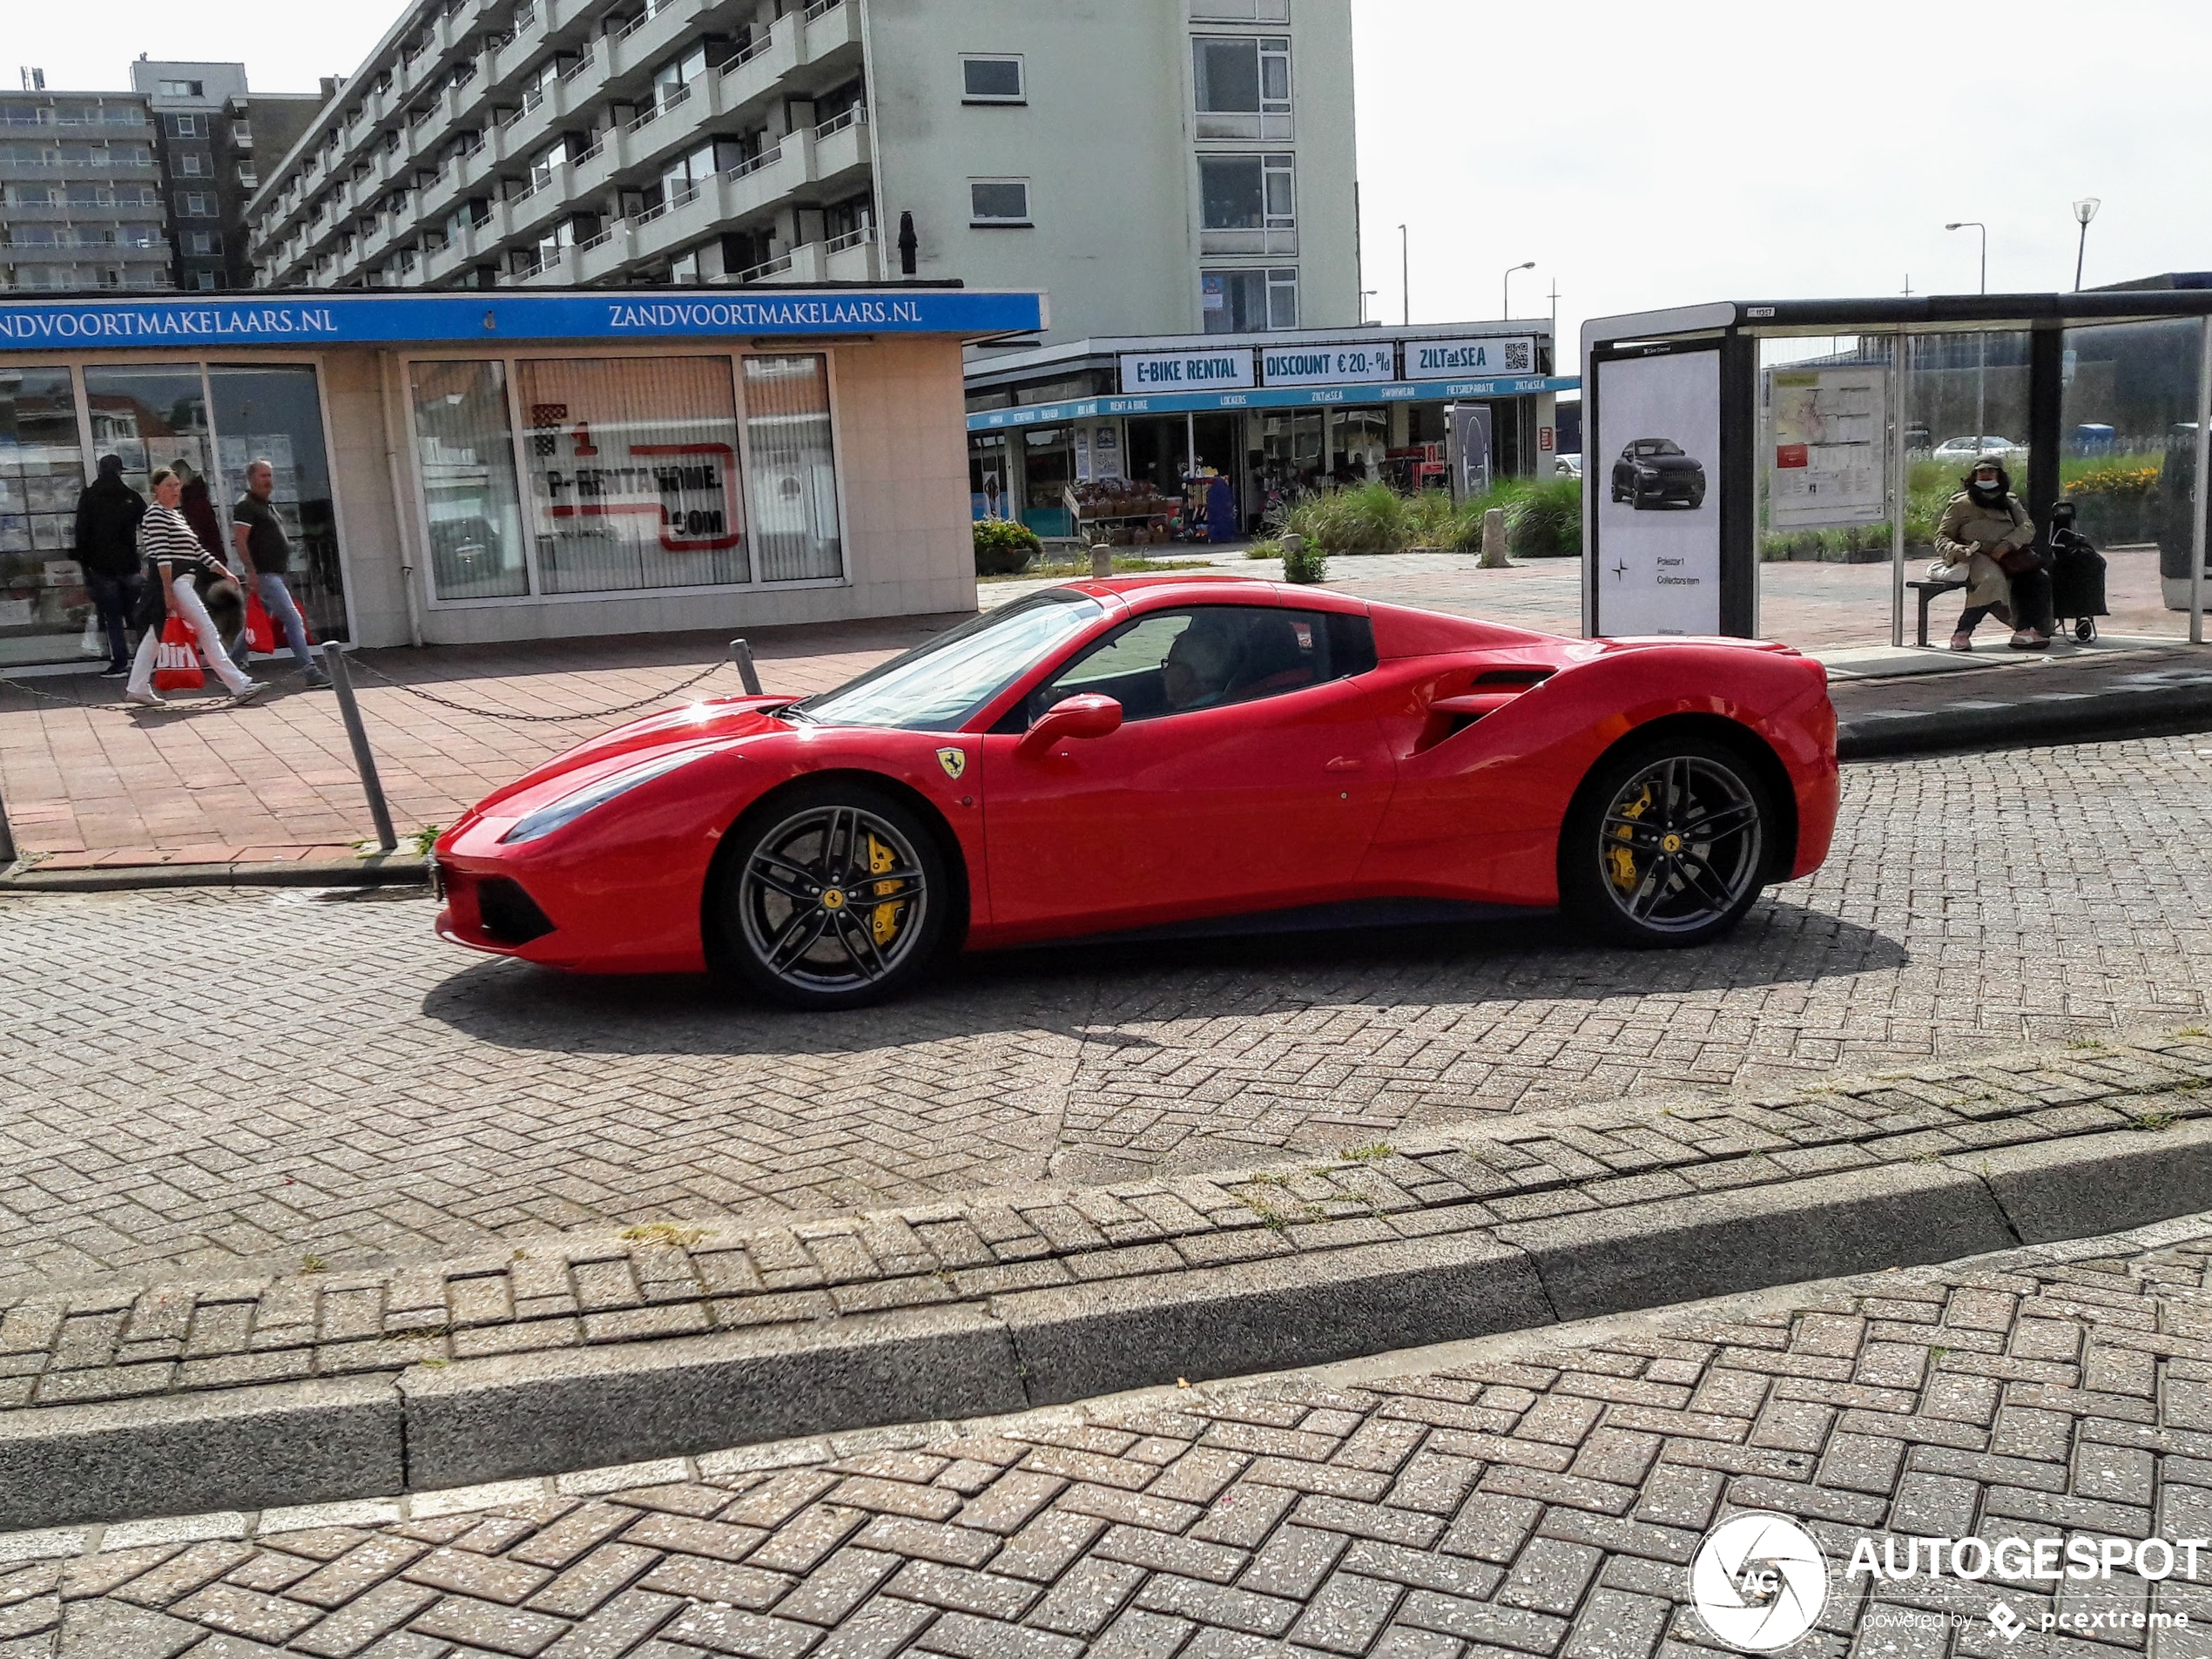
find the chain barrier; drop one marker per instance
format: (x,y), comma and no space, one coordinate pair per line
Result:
(9,683)
(534,719)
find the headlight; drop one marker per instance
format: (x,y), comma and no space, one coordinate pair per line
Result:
(1647,472)
(565,811)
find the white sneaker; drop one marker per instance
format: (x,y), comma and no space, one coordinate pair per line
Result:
(147,699)
(251,690)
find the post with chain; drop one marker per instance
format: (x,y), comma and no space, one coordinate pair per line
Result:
(341,682)
(741,654)
(7,838)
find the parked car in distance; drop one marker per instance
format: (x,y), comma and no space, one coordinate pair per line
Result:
(1567,466)
(1963,451)
(1652,472)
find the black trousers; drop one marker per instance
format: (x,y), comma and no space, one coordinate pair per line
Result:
(2031,606)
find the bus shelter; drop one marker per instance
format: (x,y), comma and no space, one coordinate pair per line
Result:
(1724,437)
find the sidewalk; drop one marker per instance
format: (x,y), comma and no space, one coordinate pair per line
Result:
(92,787)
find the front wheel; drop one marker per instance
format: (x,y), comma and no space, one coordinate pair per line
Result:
(836,897)
(1668,844)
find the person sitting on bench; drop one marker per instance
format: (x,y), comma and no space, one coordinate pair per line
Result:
(1987,539)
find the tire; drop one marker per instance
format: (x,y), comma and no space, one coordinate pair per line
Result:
(792,917)
(1633,869)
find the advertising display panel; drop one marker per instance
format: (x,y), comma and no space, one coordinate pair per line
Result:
(1450,360)
(633,478)
(1219,369)
(1327,365)
(1470,444)
(1827,426)
(1651,475)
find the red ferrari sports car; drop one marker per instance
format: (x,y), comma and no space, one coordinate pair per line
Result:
(1160,753)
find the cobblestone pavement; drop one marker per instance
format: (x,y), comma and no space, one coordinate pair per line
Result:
(193,1080)
(1532,1496)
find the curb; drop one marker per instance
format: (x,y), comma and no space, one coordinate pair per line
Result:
(383,870)
(508,1417)
(2052,717)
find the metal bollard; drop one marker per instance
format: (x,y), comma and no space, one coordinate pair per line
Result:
(741,654)
(341,683)
(7,839)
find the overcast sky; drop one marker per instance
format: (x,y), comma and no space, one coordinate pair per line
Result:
(1642,156)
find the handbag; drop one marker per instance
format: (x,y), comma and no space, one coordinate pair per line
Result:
(94,642)
(176,663)
(2022,561)
(260,633)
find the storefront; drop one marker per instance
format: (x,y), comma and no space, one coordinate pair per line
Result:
(515,466)
(1274,414)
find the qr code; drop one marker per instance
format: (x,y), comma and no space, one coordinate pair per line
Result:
(1517,358)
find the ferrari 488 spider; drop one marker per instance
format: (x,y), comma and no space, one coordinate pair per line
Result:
(1160,753)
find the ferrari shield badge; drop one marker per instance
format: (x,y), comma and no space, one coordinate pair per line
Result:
(954,761)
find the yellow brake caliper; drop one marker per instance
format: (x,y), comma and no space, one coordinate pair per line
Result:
(884,921)
(1622,858)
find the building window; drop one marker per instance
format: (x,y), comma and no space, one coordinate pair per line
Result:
(1250,302)
(465,448)
(193,204)
(633,473)
(1242,85)
(185,126)
(183,88)
(205,243)
(191,165)
(999,201)
(797,532)
(993,80)
(1240,10)
(1249,192)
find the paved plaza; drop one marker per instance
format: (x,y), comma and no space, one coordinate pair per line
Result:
(1533,1496)
(192,1080)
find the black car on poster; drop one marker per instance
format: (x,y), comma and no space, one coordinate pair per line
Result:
(1653,472)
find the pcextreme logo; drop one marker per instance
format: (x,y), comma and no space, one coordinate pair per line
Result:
(1759,1582)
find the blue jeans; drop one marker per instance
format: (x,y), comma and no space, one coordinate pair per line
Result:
(114,597)
(276,599)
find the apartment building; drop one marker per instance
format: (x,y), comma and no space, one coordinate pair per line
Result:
(209,132)
(81,203)
(1160,167)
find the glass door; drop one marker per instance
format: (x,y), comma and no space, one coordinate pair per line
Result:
(273,412)
(42,603)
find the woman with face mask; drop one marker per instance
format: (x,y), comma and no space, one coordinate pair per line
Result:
(1987,540)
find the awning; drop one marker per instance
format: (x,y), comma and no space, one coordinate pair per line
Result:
(1092,408)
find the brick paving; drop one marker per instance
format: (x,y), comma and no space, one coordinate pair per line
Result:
(1539,1495)
(205,1081)
(181,1335)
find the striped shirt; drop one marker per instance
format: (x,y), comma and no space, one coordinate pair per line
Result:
(168,543)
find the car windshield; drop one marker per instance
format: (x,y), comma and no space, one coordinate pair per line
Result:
(1658,447)
(937,687)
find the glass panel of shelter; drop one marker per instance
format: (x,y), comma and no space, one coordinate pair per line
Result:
(42,597)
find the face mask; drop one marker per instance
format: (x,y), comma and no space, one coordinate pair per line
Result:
(1985,484)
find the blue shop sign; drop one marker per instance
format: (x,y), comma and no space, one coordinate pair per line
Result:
(346,320)
(1270,398)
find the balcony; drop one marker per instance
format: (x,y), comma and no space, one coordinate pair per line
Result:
(593,171)
(561,270)
(545,200)
(842,149)
(606,253)
(648,39)
(853,257)
(1280,241)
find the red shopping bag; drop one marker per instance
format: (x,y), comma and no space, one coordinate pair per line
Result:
(260,633)
(176,663)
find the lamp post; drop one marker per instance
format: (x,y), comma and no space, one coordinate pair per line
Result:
(1506,303)
(2084,211)
(1365,294)
(1981,340)
(1405,270)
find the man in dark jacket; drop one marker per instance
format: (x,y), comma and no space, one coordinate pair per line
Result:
(108,512)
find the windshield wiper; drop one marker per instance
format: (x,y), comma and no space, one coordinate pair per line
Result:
(792,711)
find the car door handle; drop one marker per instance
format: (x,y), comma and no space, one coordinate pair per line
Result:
(1344,763)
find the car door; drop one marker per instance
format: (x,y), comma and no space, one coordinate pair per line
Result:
(1249,772)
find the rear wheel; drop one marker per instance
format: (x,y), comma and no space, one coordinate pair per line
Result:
(836,897)
(1668,844)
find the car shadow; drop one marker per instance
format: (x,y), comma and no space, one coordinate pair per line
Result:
(1087,991)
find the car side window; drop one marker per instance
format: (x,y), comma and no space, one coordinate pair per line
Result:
(1177,662)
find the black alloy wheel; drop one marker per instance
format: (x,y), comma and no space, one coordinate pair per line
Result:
(834,898)
(1668,844)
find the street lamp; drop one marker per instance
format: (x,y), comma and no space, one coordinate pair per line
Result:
(1507,311)
(2084,211)
(1405,270)
(1365,294)
(1981,340)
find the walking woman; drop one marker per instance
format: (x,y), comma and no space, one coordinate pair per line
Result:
(183,567)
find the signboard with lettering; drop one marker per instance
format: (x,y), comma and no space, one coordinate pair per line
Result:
(1327,365)
(340,320)
(1651,476)
(1187,371)
(1444,359)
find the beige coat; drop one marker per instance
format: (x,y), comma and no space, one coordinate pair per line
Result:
(1967,522)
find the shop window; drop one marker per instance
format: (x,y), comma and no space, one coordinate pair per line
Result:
(999,201)
(1242,85)
(465,453)
(40,472)
(632,480)
(798,532)
(993,80)
(1242,302)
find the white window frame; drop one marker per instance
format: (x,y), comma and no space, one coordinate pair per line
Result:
(968,95)
(979,222)
(1240,11)
(186,126)
(1276,118)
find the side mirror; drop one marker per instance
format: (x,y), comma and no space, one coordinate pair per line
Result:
(1089,716)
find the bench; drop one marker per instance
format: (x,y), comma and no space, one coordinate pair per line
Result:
(1928,590)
